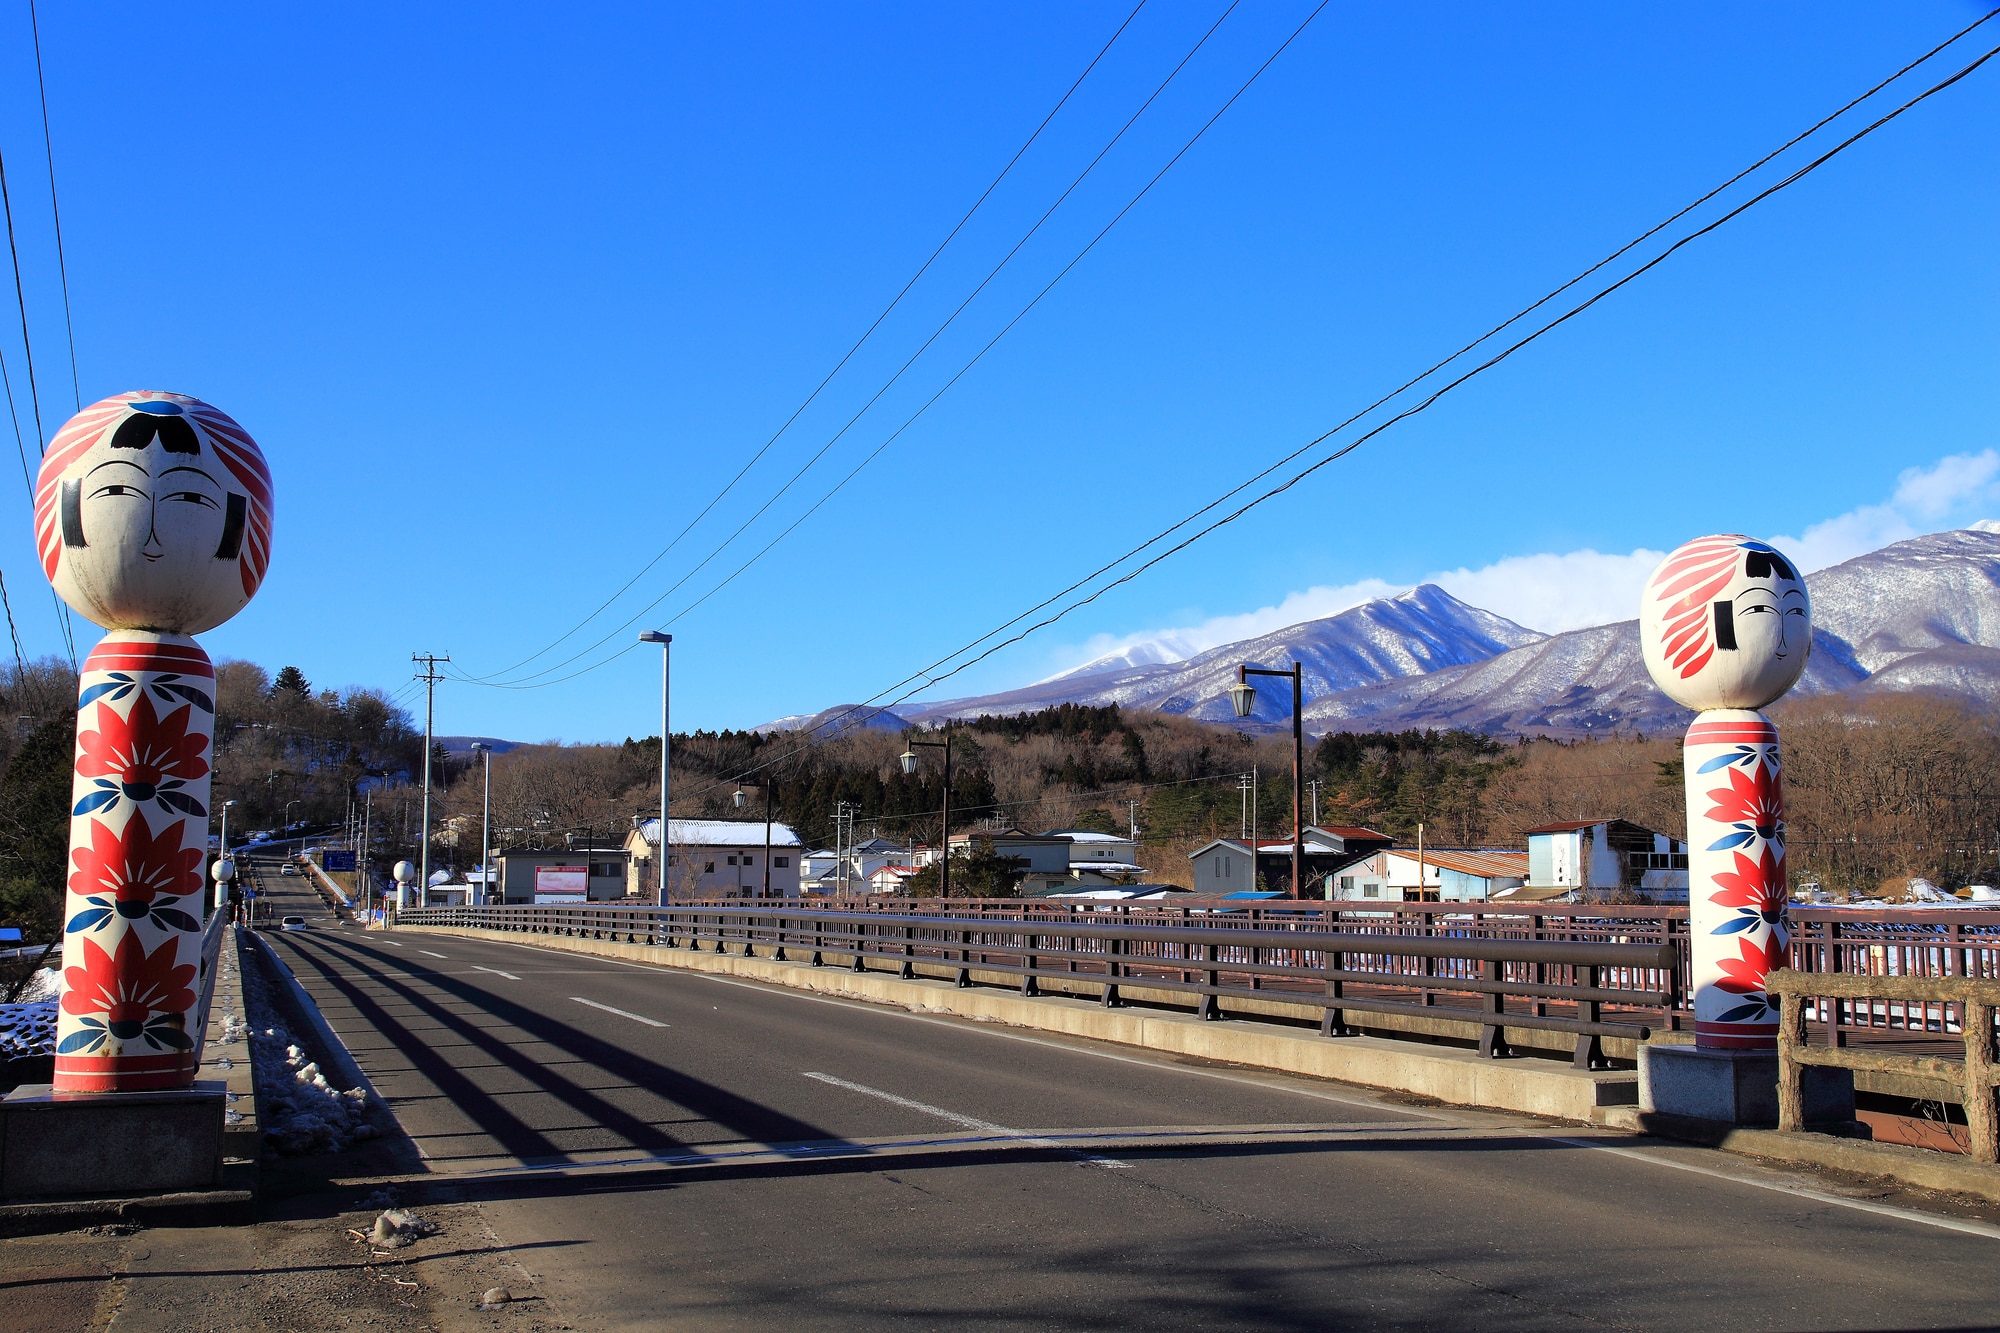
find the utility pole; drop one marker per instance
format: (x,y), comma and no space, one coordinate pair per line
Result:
(1133,806)
(1313,786)
(361,880)
(1243,807)
(430,676)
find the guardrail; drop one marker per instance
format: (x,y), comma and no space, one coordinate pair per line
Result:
(1965,1002)
(1335,971)
(211,955)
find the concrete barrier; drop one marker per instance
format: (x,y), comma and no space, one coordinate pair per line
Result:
(1458,1077)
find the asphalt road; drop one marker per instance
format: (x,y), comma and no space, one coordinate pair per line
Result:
(830,1165)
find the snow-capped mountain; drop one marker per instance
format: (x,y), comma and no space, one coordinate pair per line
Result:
(1421,631)
(1919,615)
(1922,614)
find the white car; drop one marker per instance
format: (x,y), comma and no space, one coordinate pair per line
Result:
(288,870)
(292,923)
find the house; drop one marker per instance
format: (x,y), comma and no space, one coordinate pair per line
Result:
(714,858)
(892,880)
(1446,875)
(531,875)
(1226,865)
(862,861)
(1600,857)
(1099,859)
(1045,856)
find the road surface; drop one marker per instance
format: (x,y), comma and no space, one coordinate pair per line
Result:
(834,1165)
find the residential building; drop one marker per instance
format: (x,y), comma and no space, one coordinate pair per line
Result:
(1044,856)
(1226,864)
(1446,875)
(1601,857)
(893,880)
(714,858)
(862,861)
(1099,859)
(527,875)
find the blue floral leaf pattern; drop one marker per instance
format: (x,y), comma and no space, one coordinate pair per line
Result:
(1733,840)
(172,916)
(89,920)
(86,1040)
(97,800)
(182,802)
(1740,924)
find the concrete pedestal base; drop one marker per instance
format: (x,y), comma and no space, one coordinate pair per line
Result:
(67,1144)
(1735,1087)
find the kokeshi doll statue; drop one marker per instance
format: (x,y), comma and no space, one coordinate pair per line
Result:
(1726,626)
(152,520)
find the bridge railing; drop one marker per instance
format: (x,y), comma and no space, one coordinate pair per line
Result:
(1609,988)
(1970,1001)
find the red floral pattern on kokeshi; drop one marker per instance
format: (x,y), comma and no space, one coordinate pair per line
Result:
(1737,890)
(132,966)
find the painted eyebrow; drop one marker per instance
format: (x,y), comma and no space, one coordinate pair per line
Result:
(119,462)
(185,468)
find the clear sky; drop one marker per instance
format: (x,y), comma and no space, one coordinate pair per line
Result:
(508,293)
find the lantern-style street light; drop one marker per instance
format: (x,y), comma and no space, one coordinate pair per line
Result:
(742,800)
(944,821)
(1243,698)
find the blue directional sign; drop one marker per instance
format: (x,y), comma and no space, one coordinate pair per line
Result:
(339,860)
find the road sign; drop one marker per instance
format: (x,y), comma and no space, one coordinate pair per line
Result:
(339,860)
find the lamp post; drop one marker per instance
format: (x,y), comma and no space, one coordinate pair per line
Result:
(666,642)
(743,799)
(944,822)
(288,813)
(1243,698)
(485,826)
(222,857)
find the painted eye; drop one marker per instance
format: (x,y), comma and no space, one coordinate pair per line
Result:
(193,497)
(114,490)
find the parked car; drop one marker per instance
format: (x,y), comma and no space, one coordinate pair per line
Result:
(292,923)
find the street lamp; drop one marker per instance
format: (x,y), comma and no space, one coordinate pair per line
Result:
(743,799)
(485,826)
(944,821)
(223,854)
(1243,698)
(288,813)
(666,642)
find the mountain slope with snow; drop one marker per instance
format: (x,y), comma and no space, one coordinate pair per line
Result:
(1421,631)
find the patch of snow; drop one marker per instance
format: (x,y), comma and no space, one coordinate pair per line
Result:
(27,1029)
(300,1111)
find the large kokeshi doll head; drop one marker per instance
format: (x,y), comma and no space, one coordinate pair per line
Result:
(1725,623)
(153,512)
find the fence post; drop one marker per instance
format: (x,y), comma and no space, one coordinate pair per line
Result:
(1333,1019)
(1589,1046)
(1980,1120)
(1110,998)
(1791,1075)
(1492,1035)
(1211,1003)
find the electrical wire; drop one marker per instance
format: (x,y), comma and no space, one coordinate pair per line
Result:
(810,398)
(912,360)
(531,683)
(55,209)
(931,678)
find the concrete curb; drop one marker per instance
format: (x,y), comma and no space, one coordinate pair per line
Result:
(229,1061)
(1458,1077)
(331,1047)
(206,1208)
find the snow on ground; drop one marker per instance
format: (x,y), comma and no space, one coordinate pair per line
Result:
(301,1112)
(28,1029)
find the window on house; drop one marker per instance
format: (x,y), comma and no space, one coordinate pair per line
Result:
(710,868)
(781,862)
(732,860)
(1347,883)
(1371,890)
(1680,861)
(747,860)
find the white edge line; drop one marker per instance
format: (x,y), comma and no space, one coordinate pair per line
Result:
(428,954)
(964,1121)
(622,1013)
(495,971)
(1966,1225)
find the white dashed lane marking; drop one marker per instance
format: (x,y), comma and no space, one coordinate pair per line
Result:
(622,1013)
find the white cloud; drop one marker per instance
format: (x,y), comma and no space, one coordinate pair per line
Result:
(1575,589)
(1928,499)
(1553,593)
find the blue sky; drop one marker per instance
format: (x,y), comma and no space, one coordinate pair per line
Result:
(508,293)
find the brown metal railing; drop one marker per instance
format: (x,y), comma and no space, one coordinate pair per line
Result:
(1970,1001)
(1446,974)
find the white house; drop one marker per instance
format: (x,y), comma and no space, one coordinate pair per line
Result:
(1447,875)
(1226,865)
(1597,857)
(1098,859)
(714,858)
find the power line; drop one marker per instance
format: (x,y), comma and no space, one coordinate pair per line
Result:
(925,678)
(933,399)
(55,210)
(810,398)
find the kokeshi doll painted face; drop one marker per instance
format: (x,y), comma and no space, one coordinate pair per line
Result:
(153,512)
(1725,622)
